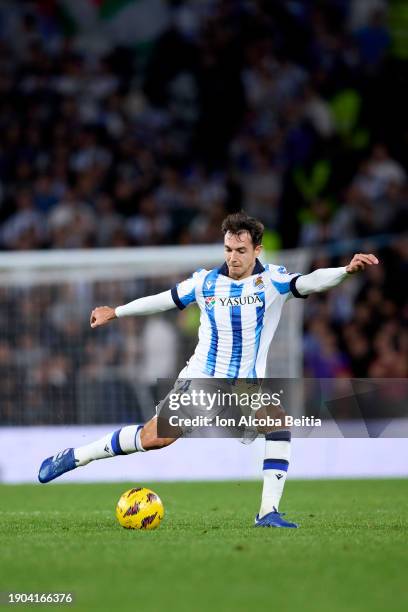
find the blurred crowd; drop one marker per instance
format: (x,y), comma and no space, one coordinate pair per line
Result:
(294,111)
(279,108)
(360,328)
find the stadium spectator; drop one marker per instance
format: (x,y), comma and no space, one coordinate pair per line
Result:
(25,229)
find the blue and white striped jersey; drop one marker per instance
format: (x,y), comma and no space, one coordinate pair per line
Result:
(238,318)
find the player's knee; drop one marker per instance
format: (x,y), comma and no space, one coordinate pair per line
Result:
(280,419)
(275,417)
(277,413)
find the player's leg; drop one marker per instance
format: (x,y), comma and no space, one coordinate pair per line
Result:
(275,468)
(124,441)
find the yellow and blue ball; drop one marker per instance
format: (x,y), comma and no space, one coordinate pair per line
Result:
(140,508)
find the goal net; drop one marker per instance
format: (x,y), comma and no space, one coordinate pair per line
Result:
(55,369)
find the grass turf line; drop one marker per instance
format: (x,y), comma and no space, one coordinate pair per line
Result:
(350,553)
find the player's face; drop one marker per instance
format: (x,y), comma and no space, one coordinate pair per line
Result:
(240,254)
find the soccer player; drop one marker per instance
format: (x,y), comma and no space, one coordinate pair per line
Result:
(234,338)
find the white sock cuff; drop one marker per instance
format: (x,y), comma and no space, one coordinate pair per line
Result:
(277,449)
(138,442)
(127,438)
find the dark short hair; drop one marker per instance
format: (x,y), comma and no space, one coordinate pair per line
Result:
(241,222)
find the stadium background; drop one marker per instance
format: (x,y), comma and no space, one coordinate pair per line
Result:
(129,128)
(142,124)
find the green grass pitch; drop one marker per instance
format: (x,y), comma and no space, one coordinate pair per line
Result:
(350,554)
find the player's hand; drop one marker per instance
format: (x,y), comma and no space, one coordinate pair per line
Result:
(360,261)
(102,315)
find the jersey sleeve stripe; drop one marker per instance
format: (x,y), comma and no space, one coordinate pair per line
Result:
(184,300)
(293,289)
(282,288)
(188,298)
(176,299)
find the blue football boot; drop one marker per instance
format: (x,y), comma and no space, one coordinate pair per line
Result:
(55,466)
(273,519)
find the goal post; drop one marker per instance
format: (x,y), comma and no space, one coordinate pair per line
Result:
(56,369)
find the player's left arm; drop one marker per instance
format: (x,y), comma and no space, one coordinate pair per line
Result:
(326,278)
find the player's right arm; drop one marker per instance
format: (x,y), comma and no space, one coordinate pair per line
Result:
(181,296)
(142,306)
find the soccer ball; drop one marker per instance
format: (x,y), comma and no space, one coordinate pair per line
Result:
(139,508)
